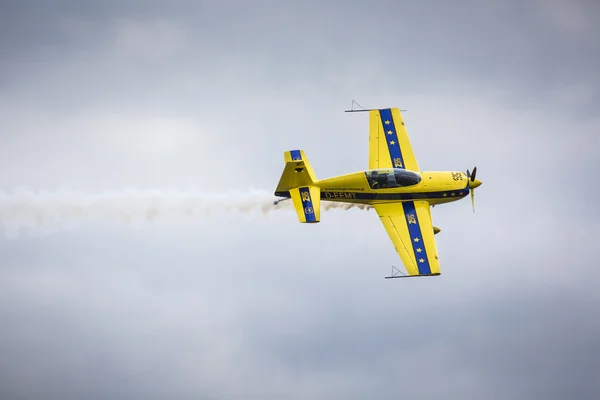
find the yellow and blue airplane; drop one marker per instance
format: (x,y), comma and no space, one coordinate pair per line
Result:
(394,186)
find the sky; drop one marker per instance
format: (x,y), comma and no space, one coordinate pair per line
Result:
(190,98)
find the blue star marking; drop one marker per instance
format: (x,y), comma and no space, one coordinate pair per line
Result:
(415,234)
(393,146)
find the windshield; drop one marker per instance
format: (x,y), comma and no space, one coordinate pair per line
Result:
(391,178)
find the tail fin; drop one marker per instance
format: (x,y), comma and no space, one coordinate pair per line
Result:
(298,182)
(297,172)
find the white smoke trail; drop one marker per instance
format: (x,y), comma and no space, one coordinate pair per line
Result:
(45,212)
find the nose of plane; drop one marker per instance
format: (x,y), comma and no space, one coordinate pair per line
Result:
(474,184)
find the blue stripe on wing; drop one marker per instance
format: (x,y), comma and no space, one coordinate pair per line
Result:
(416,238)
(391,138)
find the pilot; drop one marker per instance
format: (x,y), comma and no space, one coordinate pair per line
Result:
(374,180)
(382,180)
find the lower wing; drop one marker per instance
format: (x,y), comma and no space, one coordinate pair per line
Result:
(409,226)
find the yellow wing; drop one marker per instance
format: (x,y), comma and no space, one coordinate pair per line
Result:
(389,146)
(409,226)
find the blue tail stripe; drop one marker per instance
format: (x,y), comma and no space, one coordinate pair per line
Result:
(391,138)
(416,238)
(296,155)
(309,211)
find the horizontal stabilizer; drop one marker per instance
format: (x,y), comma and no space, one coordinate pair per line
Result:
(307,202)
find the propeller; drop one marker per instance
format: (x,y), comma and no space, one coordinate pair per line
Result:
(473,183)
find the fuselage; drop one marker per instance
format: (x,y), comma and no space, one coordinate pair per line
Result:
(393,185)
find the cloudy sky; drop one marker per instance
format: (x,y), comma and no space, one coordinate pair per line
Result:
(206,97)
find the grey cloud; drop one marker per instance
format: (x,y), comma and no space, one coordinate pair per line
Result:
(141,323)
(225,49)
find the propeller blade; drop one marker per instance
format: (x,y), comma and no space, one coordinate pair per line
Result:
(474,173)
(468,174)
(473,199)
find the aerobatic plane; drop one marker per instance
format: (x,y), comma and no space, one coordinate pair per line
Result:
(401,194)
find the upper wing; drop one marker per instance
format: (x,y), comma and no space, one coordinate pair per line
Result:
(389,146)
(409,226)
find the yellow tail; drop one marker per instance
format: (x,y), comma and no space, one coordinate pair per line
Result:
(298,183)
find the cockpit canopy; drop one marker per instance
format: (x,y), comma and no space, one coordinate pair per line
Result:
(388,178)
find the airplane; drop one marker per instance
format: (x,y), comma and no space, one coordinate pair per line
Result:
(401,194)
